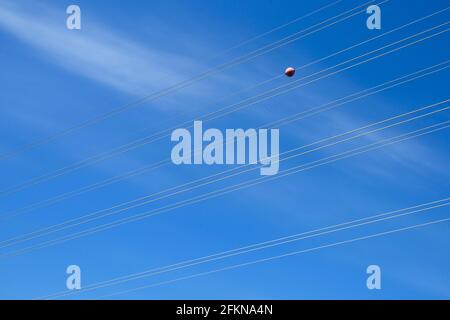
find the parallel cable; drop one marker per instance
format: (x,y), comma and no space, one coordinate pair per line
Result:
(278,123)
(199,182)
(256,247)
(237,61)
(296,169)
(280,256)
(259,36)
(131,146)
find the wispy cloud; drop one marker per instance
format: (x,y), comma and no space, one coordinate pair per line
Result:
(101,54)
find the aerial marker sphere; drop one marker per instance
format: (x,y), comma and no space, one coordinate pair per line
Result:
(289,72)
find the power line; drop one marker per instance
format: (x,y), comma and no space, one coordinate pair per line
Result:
(278,123)
(256,247)
(281,256)
(195,184)
(125,148)
(243,43)
(233,188)
(265,49)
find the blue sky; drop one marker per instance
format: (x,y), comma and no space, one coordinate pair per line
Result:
(52,78)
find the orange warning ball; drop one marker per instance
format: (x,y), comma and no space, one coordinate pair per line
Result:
(289,72)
